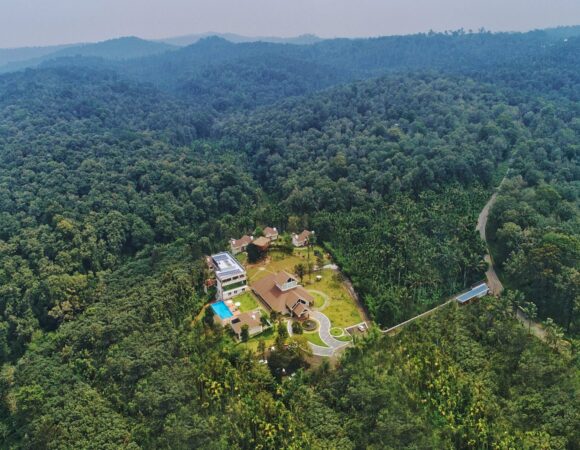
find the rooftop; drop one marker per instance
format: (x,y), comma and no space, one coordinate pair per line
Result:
(475,292)
(244,240)
(251,319)
(226,265)
(277,299)
(262,242)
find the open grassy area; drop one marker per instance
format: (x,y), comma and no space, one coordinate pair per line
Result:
(248,302)
(342,310)
(318,300)
(277,261)
(314,338)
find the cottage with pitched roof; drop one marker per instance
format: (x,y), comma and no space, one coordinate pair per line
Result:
(300,240)
(271,233)
(240,245)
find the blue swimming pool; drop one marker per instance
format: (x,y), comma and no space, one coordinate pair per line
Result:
(221,309)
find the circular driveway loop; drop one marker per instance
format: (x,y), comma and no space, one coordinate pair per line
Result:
(327,338)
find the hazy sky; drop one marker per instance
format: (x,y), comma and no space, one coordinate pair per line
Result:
(44,22)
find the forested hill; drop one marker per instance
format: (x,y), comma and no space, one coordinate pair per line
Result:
(117,177)
(228,77)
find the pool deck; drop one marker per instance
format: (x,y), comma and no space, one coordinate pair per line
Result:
(229,304)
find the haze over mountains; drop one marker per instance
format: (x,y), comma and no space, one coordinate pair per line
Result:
(131,47)
(125,48)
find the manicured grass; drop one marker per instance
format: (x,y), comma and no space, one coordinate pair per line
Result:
(318,300)
(336,332)
(314,338)
(248,301)
(342,310)
(345,338)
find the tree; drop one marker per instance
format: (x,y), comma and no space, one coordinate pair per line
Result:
(531,311)
(300,271)
(515,299)
(208,316)
(554,333)
(245,334)
(255,253)
(297,328)
(319,259)
(262,349)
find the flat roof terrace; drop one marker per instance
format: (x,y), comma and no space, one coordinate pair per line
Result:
(226,266)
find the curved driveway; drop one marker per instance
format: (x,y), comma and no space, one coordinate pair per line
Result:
(324,332)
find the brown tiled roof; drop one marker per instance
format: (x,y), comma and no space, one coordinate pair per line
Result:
(304,235)
(275,298)
(251,319)
(244,240)
(269,231)
(261,242)
(300,308)
(283,277)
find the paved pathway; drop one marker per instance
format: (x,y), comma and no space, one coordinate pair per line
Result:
(324,332)
(317,350)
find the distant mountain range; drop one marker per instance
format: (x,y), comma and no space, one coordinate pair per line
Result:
(113,49)
(131,47)
(189,39)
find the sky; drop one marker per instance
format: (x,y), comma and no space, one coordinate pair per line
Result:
(49,22)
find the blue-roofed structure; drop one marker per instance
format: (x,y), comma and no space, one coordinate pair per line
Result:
(478,291)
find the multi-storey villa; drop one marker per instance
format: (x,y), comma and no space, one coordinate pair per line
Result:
(230,275)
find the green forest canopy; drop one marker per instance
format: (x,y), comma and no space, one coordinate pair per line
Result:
(112,189)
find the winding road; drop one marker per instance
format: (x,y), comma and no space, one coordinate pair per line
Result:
(493,282)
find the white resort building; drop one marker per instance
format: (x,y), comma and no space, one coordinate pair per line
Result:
(231,279)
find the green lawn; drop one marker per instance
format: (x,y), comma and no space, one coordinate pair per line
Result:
(318,300)
(342,310)
(276,262)
(314,338)
(248,301)
(336,331)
